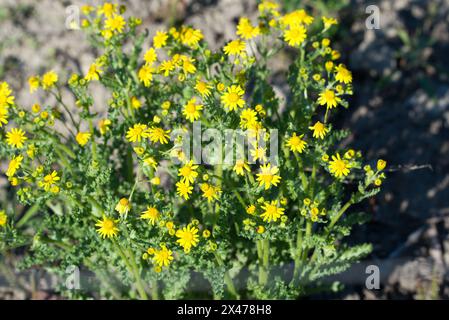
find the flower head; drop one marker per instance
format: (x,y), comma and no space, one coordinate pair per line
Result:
(152,214)
(163,257)
(3,218)
(184,189)
(83,138)
(123,206)
(190,37)
(146,75)
(192,110)
(343,74)
(203,88)
(296,143)
(14,165)
(240,167)
(235,48)
(272,212)
(295,35)
(328,98)
(246,30)
(210,192)
(115,23)
(188,237)
(339,167)
(232,98)
(319,130)
(160,39)
(137,132)
(158,135)
(107,227)
(49,181)
(188,173)
(268,176)
(16,138)
(49,80)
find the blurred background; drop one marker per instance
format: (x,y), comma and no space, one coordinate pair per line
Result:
(400,112)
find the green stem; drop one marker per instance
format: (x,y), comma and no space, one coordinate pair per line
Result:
(227,278)
(132,267)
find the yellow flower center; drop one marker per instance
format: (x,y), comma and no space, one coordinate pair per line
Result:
(108,224)
(124,202)
(233,97)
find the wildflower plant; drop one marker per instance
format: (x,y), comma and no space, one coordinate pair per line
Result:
(120,195)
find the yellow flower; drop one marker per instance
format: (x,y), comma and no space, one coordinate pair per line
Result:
(151,214)
(188,173)
(166,67)
(158,135)
(339,167)
(296,18)
(191,110)
(328,98)
(16,138)
(146,75)
(150,56)
(86,9)
(378,182)
(49,80)
(137,132)
(248,118)
(268,176)
(107,9)
(235,47)
(220,86)
(3,218)
(94,72)
(49,180)
(251,209)
(188,237)
(206,234)
(35,108)
(240,167)
(135,103)
(83,138)
(155,181)
(107,227)
(260,229)
(232,98)
(295,35)
(14,165)
(328,22)
(343,74)
(149,161)
(31,151)
(272,211)
(163,257)
(245,30)
(115,23)
(203,88)
(210,192)
(259,153)
(33,82)
(296,144)
(381,164)
(6,99)
(103,125)
(319,130)
(187,64)
(184,189)
(160,39)
(3,116)
(190,37)
(267,6)
(123,206)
